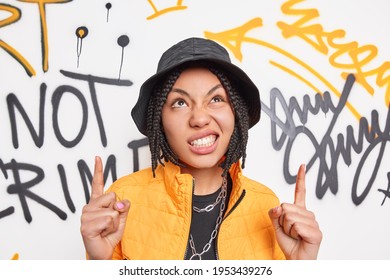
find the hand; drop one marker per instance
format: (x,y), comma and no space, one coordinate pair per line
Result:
(103,219)
(297,231)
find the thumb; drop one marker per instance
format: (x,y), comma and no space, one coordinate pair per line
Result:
(123,208)
(274,215)
(115,235)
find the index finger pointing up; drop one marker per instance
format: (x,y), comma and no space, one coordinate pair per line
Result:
(98,180)
(300,187)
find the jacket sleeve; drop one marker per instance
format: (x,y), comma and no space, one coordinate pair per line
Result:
(117,255)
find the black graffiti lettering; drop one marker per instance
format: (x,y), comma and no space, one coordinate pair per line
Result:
(16,170)
(86,178)
(386,192)
(6,212)
(16,108)
(2,168)
(22,188)
(377,138)
(10,210)
(56,99)
(86,174)
(322,103)
(92,80)
(65,188)
(327,171)
(291,130)
(13,103)
(135,145)
(327,175)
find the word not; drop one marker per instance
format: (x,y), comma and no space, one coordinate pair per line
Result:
(17,171)
(38,135)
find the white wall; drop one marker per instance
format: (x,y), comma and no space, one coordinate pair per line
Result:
(40,208)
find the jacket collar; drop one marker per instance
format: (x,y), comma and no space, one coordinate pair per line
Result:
(175,180)
(235,172)
(177,185)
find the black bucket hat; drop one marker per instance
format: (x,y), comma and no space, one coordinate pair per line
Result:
(197,50)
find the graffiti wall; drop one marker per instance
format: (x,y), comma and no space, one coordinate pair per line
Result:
(70,72)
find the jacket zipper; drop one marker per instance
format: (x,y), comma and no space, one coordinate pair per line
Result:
(189,231)
(228,214)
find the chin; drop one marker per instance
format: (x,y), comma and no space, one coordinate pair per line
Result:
(202,164)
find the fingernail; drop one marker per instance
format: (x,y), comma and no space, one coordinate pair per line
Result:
(120,205)
(274,210)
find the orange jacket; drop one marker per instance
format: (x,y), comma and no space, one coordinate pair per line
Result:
(159,219)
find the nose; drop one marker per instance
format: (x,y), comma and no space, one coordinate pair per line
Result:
(199,117)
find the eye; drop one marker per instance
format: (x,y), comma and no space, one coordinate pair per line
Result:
(216,99)
(180,103)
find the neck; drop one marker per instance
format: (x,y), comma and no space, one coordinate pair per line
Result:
(207,181)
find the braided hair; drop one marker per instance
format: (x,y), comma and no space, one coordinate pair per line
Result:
(158,143)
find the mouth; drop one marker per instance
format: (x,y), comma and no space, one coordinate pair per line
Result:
(204,142)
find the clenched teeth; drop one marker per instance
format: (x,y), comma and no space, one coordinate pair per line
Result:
(204,142)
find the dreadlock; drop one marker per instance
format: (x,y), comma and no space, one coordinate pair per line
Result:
(158,143)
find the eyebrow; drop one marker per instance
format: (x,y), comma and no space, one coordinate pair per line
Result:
(183,92)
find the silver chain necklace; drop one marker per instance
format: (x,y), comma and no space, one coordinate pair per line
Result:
(221,197)
(210,207)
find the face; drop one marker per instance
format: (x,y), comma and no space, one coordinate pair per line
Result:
(198,119)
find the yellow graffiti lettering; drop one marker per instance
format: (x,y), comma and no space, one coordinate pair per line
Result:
(157,13)
(309,33)
(382,74)
(42,15)
(357,57)
(234,38)
(15,257)
(383,80)
(296,75)
(14,17)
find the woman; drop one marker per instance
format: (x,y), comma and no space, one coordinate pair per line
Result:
(194,202)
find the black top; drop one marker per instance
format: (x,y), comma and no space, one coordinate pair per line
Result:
(203,224)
